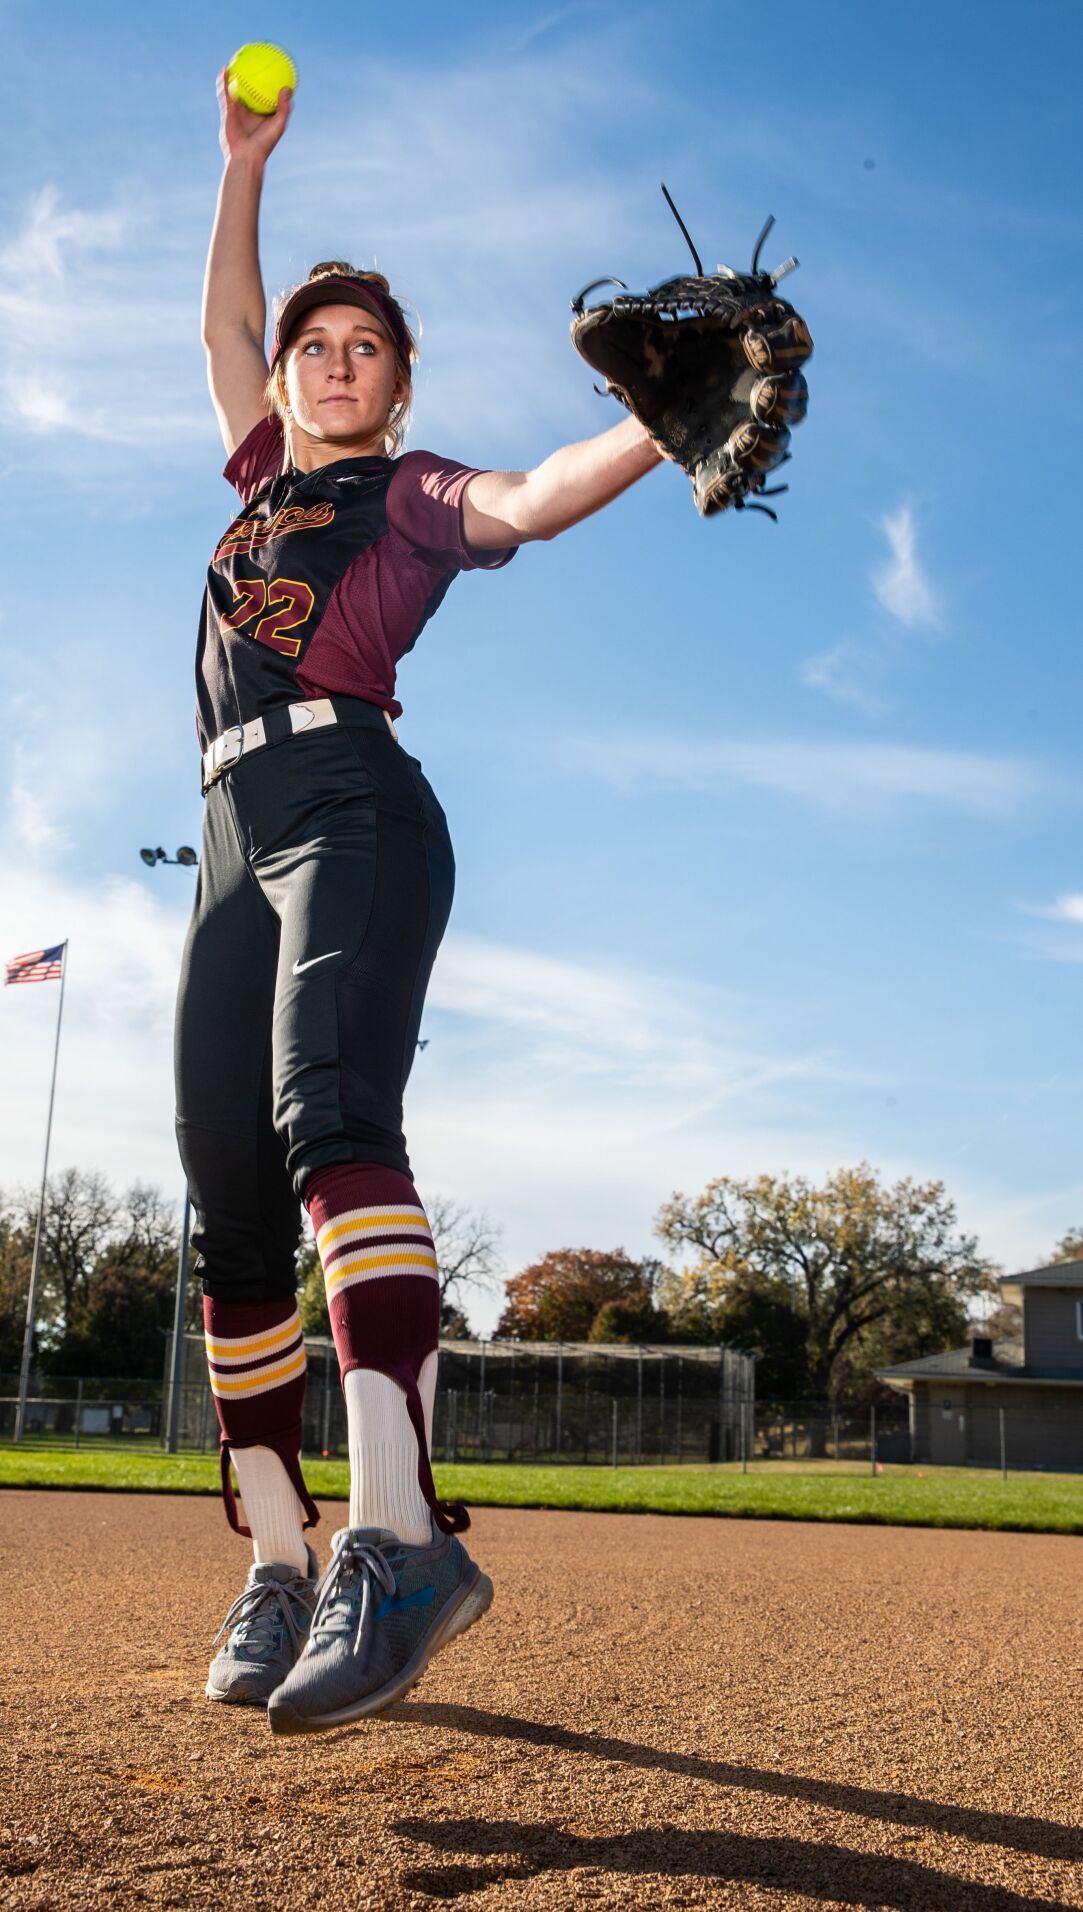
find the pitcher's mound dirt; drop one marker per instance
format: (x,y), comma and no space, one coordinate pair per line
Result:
(655,1713)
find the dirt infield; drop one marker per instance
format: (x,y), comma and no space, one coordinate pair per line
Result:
(656,1713)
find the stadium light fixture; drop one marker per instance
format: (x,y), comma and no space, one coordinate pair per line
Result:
(185,855)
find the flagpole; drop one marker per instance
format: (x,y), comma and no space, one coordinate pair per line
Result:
(32,1297)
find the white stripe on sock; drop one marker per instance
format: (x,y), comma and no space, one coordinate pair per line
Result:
(271,1508)
(384,1488)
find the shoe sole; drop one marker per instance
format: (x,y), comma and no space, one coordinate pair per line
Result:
(233,1698)
(474,1602)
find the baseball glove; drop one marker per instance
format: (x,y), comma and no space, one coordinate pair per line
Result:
(710,365)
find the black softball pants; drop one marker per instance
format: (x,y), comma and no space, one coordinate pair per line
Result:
(323,892)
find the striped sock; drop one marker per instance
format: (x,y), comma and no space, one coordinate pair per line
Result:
(383,1297)
(256,1362)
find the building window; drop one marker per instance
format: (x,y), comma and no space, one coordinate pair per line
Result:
(1079,1320)
(946,1410)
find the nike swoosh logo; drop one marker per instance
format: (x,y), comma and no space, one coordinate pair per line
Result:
(297,967)
(399,1603)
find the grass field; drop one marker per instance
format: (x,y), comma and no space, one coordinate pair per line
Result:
(832,1491)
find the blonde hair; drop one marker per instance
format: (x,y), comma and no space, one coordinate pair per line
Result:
(399,416)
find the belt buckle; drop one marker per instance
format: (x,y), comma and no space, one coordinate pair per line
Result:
(226,749)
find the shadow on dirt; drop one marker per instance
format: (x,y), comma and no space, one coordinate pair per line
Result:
(1015,1830)
(813,1869)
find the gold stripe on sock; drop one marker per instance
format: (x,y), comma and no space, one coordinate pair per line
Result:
(260,1378)
(250,1347)
(368,1264)
(372,1220)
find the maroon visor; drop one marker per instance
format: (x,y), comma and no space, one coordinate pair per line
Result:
(341,291)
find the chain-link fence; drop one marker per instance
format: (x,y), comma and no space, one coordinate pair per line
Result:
(496,1400)
(72,1409)
(818,1431)
(549,1402)
(537,1401)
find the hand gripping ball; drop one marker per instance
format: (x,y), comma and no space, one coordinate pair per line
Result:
(257,73)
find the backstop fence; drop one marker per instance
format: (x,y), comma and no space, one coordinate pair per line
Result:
(572,1402)
(496,1400)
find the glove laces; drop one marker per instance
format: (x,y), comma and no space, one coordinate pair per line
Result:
(358,1568)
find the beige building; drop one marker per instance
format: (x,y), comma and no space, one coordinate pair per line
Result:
(1022,1402)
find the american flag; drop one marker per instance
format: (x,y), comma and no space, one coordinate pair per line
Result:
(37,966)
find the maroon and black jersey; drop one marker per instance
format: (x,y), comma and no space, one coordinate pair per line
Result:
(326,578)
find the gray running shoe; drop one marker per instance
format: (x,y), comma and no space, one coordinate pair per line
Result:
(270,1622)
(383,1610)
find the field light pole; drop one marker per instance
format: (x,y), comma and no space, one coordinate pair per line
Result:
(35,1265)
(188,860)
(176,1363)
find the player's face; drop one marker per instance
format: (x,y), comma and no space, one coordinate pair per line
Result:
(341,382)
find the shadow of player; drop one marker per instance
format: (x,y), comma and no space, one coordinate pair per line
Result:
(814,1869)
(1017,1831)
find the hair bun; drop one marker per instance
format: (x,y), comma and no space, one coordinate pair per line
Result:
(341,269)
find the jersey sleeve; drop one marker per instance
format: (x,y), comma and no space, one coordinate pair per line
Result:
(257,458)
(425,508)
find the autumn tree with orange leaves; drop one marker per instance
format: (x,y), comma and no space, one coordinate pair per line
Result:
(584,1294)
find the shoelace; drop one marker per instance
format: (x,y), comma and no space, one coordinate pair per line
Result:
(353,1560)
(253,1613)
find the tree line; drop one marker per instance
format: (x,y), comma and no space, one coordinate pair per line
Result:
(108,1275)
(824,1283)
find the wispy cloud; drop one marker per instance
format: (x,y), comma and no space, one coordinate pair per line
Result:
(536,30)
(32,825)
(604,1023)
(841,777)
(848,672)
(1066,909)
(53,237)
(854,672)
(59,764)
(1055,936)
(92,325)
(901,584)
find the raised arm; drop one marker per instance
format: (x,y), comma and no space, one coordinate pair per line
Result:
(234,308)
(512,507)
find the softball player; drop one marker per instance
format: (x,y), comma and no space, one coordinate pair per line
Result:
(324,888)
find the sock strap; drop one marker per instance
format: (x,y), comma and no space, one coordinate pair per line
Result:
(450,1515)
(285,1446)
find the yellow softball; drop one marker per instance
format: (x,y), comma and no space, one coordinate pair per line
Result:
(257,73)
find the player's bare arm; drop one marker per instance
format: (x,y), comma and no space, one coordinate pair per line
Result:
(234,308)
(502,508)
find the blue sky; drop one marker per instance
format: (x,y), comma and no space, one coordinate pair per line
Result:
(768,836)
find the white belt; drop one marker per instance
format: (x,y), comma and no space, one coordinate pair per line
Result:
(241,739)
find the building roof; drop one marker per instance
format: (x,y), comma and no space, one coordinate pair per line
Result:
(1007,1362)
(957,1364)
(1057,1274)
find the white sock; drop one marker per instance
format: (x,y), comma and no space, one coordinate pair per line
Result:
(271,1508)
(384,1488)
